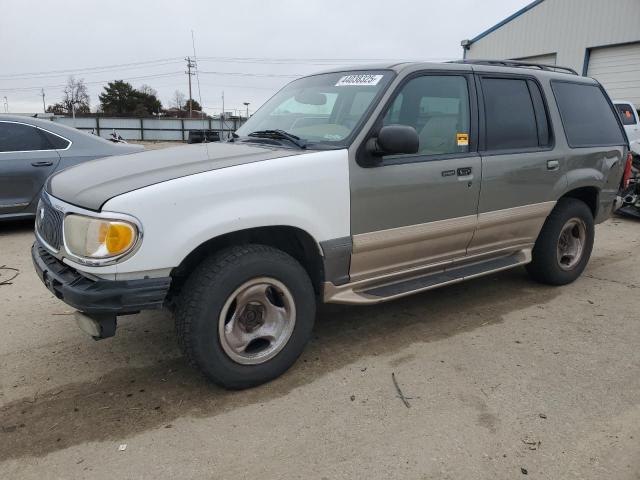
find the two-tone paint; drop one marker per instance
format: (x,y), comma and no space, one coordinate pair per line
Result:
(373,226)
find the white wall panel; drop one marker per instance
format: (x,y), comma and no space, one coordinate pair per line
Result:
(618,69)
(567,27)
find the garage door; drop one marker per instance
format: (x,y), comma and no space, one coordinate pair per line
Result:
(549,59)
(618,69)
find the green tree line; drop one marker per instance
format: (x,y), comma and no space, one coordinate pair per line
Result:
(120,98)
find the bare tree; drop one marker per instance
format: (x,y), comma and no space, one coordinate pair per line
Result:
(178,100)
(148,90)
(75,96)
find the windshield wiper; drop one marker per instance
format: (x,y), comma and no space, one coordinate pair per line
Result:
(278,134)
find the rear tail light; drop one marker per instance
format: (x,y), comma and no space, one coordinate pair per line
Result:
(627,171)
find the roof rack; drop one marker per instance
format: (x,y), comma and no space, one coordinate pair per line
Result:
(517,63)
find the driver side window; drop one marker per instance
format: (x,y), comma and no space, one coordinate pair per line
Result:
(437,106)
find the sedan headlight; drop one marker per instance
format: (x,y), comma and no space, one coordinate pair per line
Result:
(97,238)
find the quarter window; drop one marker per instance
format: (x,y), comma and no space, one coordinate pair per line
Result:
(17,137)
(510,115)
(55,141)
(626,114)
(437,106)
(587,116)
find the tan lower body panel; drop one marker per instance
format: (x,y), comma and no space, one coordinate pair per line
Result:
(388,256)
(511,226)
(398,249)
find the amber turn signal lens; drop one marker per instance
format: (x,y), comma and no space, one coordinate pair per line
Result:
(119,237)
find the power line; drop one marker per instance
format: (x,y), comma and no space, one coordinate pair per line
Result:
(97,82)
(84,73)
(243,87)
(172,60)
(87,69)
(243,74)
(159,75)
(312,61)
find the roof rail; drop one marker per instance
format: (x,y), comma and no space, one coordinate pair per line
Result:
(517,63)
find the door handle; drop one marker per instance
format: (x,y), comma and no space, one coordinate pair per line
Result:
(553,164)
(43,163)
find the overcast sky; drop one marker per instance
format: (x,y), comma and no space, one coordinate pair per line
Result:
(264,43)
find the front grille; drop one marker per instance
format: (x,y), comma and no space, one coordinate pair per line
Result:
(49,223)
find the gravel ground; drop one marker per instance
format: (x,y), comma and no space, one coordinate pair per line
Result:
(502,377)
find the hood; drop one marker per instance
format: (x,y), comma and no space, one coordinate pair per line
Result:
(90,184)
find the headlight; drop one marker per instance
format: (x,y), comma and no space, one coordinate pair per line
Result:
(96,238)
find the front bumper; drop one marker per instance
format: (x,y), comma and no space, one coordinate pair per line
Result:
(117,297)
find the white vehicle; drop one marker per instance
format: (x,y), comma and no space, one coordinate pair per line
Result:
(629,115)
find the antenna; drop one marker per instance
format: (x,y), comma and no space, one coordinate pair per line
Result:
(195,61)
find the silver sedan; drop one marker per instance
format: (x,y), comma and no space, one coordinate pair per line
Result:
(32,149)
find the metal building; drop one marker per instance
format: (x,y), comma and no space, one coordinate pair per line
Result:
(598,38)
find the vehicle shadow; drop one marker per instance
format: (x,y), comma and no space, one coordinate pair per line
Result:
(127,401)
(9,227)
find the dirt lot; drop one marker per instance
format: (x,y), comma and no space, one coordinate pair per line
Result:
(502,376)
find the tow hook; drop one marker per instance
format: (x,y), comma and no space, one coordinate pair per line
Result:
(98,325)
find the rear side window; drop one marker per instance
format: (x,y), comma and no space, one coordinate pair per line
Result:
(515,116)
(626,114)
(17,137)
(587,116)
(55,141)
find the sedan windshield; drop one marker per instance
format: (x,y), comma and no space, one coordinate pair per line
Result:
(321,110)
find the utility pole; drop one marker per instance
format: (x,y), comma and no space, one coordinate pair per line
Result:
(44,108)
(222,118)
(190,64)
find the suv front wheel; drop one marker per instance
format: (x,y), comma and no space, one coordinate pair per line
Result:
(564,245)
(245,315)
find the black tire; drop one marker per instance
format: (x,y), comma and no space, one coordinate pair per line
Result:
(545,266)
(207,290)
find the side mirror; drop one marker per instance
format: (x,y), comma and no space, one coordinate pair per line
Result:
(396,140)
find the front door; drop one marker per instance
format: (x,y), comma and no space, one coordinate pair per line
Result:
(26,160)
(420,209)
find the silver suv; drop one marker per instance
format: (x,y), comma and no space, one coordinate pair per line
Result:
(350,186)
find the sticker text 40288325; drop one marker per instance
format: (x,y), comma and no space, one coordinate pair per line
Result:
(358,79)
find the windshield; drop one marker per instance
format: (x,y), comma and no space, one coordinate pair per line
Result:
(322,110)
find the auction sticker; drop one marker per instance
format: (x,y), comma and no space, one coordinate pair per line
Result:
(360,79)
(463,139)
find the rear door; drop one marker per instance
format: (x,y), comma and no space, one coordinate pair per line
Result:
(27,158)
(420,209)
(521,171)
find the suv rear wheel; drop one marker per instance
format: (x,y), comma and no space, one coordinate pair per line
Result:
(564,245)
(245,315)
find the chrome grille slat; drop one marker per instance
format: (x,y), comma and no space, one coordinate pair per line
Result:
(49,223)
